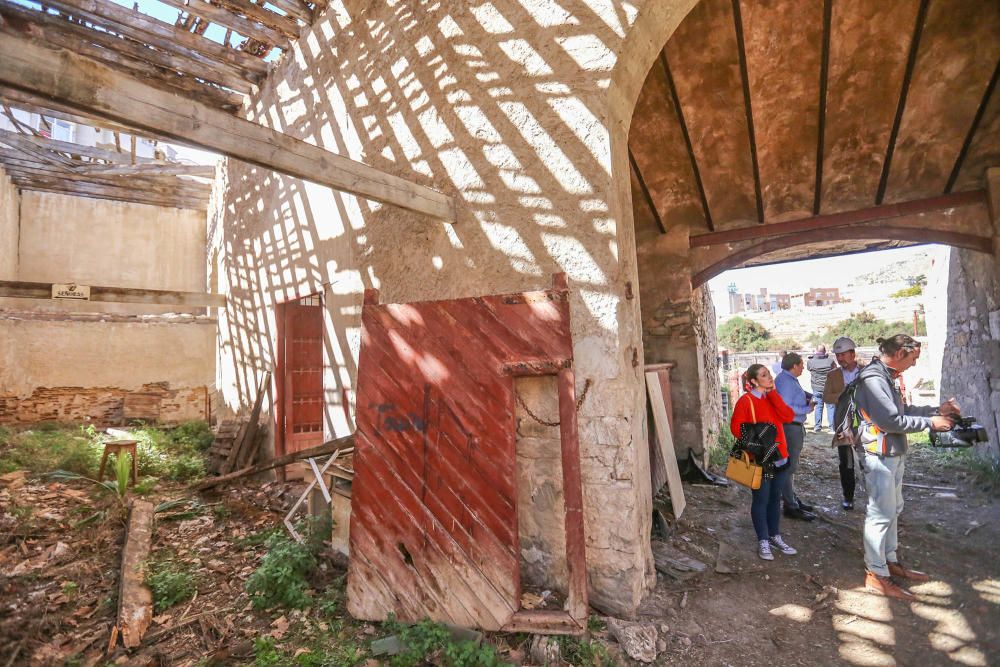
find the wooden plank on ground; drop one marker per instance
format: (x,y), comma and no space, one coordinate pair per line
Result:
(675,563)
(95,88)
(135,600)
(664,437)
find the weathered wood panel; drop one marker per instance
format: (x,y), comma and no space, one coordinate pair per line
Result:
(434,510)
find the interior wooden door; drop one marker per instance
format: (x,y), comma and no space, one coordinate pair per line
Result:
(302,373)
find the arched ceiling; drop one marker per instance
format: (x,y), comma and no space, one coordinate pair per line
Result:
(765,111)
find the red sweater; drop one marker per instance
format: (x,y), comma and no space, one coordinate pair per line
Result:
(768,409)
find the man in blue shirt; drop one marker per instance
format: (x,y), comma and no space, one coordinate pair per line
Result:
(795,397)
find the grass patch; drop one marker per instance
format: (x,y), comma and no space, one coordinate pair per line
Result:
(718,453)
(980,468)
(175,454)
(171,583)
(580,651)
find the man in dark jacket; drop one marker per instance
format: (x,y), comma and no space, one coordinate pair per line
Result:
(819,366)
(885,423)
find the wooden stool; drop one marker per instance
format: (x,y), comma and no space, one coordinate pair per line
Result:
(116,447)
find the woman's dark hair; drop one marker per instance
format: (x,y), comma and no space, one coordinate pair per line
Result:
(751,374)
(894,344)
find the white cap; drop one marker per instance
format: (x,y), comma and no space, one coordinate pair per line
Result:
(843,344)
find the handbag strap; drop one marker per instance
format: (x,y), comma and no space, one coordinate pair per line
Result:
(753,413)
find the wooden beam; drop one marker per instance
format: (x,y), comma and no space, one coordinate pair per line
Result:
(169,186)
(53,27)
(32,104)
(675,100)
(296,8)
(745,77)
(89,191)
(824,79)
(286,25)
(200,170)
(847,218)
(645,192)
(911,62)
(227,19)
(135,599)
(70,79)
(345,444)
(980,112)
(36,290)
(16,139)
(148,30)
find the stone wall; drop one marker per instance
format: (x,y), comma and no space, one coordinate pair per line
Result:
(105,369)
(520,111)
(10,202)
(102,242)
(970,364)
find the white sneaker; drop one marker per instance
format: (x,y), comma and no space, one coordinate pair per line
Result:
(780,543)
(764,550)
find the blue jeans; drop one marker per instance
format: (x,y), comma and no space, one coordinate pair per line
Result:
(818,414)
(884,479)
(765,508)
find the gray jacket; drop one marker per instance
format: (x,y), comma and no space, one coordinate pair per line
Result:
(819,368)
(878,396)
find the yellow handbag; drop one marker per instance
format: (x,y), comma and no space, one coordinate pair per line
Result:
(741,469)
(744,472)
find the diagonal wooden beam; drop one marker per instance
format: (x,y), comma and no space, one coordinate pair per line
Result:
(296,8)
(286,25)
(748,107)
(980,112)
(824,78)
(32,104)
(97,89)
(645,192)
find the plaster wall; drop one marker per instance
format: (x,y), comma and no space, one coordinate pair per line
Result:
(521,112)
(10,202)
(103,242)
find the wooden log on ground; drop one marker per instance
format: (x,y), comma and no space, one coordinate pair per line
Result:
(135,600)
(346,444)
(70,79)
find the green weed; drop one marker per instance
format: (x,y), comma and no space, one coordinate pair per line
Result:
(265,654)
(579,651)
(145,486)
(981,468)
(428,640)
(170,582)
(280,580)
(718,454)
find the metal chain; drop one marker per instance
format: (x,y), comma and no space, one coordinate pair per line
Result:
(543,422)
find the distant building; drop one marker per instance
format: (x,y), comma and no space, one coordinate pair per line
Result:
(822,296)
(759,303)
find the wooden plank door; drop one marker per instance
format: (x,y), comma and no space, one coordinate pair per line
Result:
(300,385)
(434,524)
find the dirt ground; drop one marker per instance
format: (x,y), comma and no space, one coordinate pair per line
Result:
(59,573)
(811,609)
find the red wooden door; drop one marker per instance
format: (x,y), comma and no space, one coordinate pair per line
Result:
(301,367)
(434,530)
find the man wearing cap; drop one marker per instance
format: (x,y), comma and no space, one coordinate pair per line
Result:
(846,373)
(819,366)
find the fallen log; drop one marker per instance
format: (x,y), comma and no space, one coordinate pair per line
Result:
(346,444)
(135,600)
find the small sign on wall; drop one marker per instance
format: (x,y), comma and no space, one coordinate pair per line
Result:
(70,291)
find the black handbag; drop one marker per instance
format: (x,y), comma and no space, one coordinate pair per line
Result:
(759,440)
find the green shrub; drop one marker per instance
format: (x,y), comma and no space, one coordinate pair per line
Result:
(426,639)
(718,453)
(912,290)
(193,436)
(578,651)
(280,580)
(742,335)
(264,653)
(170,582)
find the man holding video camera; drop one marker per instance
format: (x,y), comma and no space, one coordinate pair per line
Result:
(885,421)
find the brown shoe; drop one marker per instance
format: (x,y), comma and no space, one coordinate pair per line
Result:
(887,586)
(899,571)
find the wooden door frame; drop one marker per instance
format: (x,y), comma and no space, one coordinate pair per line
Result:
(280,379)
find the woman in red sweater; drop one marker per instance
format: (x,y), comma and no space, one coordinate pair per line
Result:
(761,403)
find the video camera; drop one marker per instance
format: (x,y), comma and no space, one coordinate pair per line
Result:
(965,433)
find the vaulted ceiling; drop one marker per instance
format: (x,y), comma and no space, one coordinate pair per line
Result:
(765,111)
